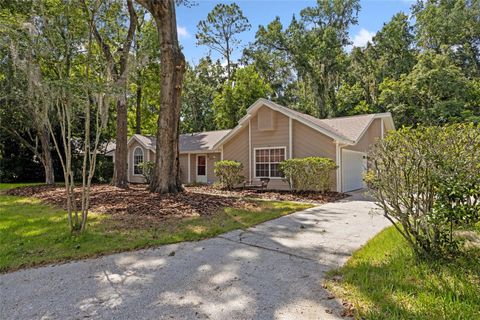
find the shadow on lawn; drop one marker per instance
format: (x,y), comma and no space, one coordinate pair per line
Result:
(272,271)
(405,287)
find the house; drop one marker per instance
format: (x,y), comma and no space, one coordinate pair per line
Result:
(268,134)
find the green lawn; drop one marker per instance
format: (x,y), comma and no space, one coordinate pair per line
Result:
(6,186)
(32,233)
(384,280)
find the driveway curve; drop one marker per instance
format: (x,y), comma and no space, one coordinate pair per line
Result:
(271,271)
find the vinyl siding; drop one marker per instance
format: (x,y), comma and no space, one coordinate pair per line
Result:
(237,149)
(183,160)
(278,137)
(372,134)
(211,159)
(308,142)
(131,177)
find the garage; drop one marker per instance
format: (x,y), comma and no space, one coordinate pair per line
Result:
(354,164)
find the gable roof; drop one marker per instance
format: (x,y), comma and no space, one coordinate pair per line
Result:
(201,140)
(189,142)
(347,130)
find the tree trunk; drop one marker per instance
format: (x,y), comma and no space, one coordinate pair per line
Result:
(47,162)
(166,177)
(121,170)
(138,116)
(118,70)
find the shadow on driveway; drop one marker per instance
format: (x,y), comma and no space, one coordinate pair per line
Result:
(272,271)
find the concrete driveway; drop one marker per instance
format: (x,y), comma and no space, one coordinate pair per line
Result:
(272,271)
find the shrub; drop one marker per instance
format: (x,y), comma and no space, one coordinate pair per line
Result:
(308,174)
(147,170)
(427,183)
(229,173)
(103,169)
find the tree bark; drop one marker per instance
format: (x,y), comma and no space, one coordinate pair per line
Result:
(166,177)
(118,72)
(138,115)
(121,153)
(47,162)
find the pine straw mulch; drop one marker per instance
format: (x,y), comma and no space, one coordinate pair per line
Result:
(138,201)
(277,195)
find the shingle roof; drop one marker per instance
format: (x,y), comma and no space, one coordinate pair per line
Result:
(350,128)
(189,141)
(200,140)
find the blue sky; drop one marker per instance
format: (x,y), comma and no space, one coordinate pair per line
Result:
(372,16)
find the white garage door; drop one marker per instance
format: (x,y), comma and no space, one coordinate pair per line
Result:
(354,165)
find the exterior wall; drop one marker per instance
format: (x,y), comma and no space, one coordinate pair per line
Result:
(183,160)
(373,133)
(237,149)
(278,137)
(133,178)
(211,159)
(308,142)
(266,119)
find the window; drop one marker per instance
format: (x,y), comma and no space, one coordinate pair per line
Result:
(137,160)
(267,162)
(201,165)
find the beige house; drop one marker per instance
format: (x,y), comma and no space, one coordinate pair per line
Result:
(267,135)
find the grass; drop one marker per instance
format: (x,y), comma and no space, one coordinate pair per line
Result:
(6,186)
(384,280)
(32,233)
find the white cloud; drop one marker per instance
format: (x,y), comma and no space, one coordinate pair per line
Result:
(362,38)
(182,32)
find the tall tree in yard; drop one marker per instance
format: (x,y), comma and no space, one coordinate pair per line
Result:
(219,31)
(118,70)
(22,113)
(166,174)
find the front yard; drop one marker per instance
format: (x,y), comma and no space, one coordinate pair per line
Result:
(384,280)
(34,231)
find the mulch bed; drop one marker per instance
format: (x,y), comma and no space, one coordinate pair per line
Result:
(195,201)
(137,201)
(308,197)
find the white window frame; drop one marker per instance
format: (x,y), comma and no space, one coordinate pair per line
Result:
(133,160)
(269,163)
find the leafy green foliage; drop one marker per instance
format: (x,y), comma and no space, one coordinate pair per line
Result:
(229,173)
(147,170)
(313,45)
(451,26)
(231,104)
(426,182)
(202,83)
(309,174)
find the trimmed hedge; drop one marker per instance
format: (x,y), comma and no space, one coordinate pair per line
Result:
(308,174)
(229,173)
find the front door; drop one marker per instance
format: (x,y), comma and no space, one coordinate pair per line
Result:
(201,169)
